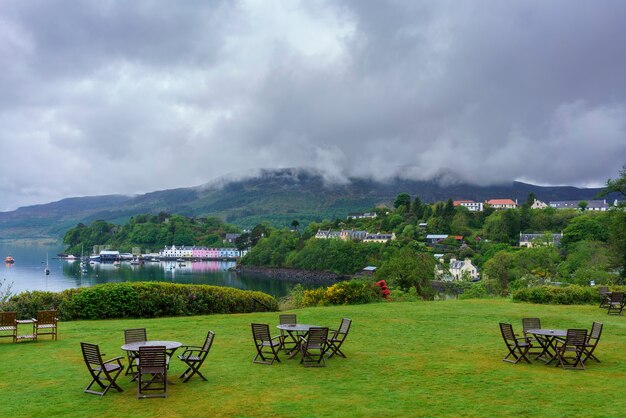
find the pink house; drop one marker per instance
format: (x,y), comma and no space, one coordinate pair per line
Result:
(200,252)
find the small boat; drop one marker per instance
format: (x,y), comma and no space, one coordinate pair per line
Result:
(9,260)
(47,269)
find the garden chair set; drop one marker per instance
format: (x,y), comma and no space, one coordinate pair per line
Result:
(46,323)
(148,363)
(313,343)
(569,348)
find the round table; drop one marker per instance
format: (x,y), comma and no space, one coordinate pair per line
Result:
(300,330)
(169,345)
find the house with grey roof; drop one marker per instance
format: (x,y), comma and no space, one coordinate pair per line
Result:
(594,205)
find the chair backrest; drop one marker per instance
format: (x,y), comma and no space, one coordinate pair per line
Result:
(317,337)
(596,330)
(617,297)
(603,289)
(135,335)
(152,356)
(8,319)
(91,354)
(287,319)
(530,323)
(507,332)
(261,332)
(47,317)
(576,337)
(208,341)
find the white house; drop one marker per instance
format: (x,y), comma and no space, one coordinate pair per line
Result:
(460,268)
(470,205)
(538,204)
(502,203)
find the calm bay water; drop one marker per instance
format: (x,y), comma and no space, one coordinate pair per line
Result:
(27,273)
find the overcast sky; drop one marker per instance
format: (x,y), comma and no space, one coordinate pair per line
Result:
(104,96)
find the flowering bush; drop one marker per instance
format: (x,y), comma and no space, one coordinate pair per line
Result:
(384,290)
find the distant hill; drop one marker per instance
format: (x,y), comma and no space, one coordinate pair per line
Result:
(277,196)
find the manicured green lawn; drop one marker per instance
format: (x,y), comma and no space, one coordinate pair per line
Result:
(404,359)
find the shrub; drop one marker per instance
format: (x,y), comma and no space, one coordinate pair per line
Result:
(313,297)
(140,300)
(475,291)
(566,295)
(399,295)
(352,292)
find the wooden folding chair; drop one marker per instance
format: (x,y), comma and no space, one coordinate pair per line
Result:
(265,344)
(134,335)
(152,362)
(575,344)
(616,303)
(8,325)
(604,297)
(313,347)
(194,356)
(533,323)
(285,337)
(336,339)
(518,347)
(46,324)
(103,373)
(592,341)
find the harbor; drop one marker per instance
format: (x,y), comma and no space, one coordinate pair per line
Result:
(27,272)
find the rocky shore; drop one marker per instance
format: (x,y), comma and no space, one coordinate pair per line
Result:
(305,277)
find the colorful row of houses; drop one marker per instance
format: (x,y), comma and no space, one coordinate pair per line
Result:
(192,252)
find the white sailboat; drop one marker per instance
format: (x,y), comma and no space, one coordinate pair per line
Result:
(83,264)
(47,269)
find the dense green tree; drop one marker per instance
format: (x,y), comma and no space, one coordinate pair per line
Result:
(497,273)
(530,200)
(617,240)
(417,208)
(448,210)
(616,185)
(403,199)
(459,224)
(592,257)
(586,227)
(408,268)
(260,231)
(582,205)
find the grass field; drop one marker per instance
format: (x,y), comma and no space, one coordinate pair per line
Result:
(404,359)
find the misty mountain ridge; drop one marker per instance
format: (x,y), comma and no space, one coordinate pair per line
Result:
(277,196)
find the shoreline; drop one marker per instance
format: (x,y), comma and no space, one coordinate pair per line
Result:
(304,277)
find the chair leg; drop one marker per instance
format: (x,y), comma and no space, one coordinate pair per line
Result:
(274,352)
(191,370)
(111,379)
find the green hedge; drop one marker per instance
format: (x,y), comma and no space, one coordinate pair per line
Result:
(566,295)
(140,300)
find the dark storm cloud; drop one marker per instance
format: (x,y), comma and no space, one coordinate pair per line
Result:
(125,97)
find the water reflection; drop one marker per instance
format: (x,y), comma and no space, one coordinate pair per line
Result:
(28,272)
